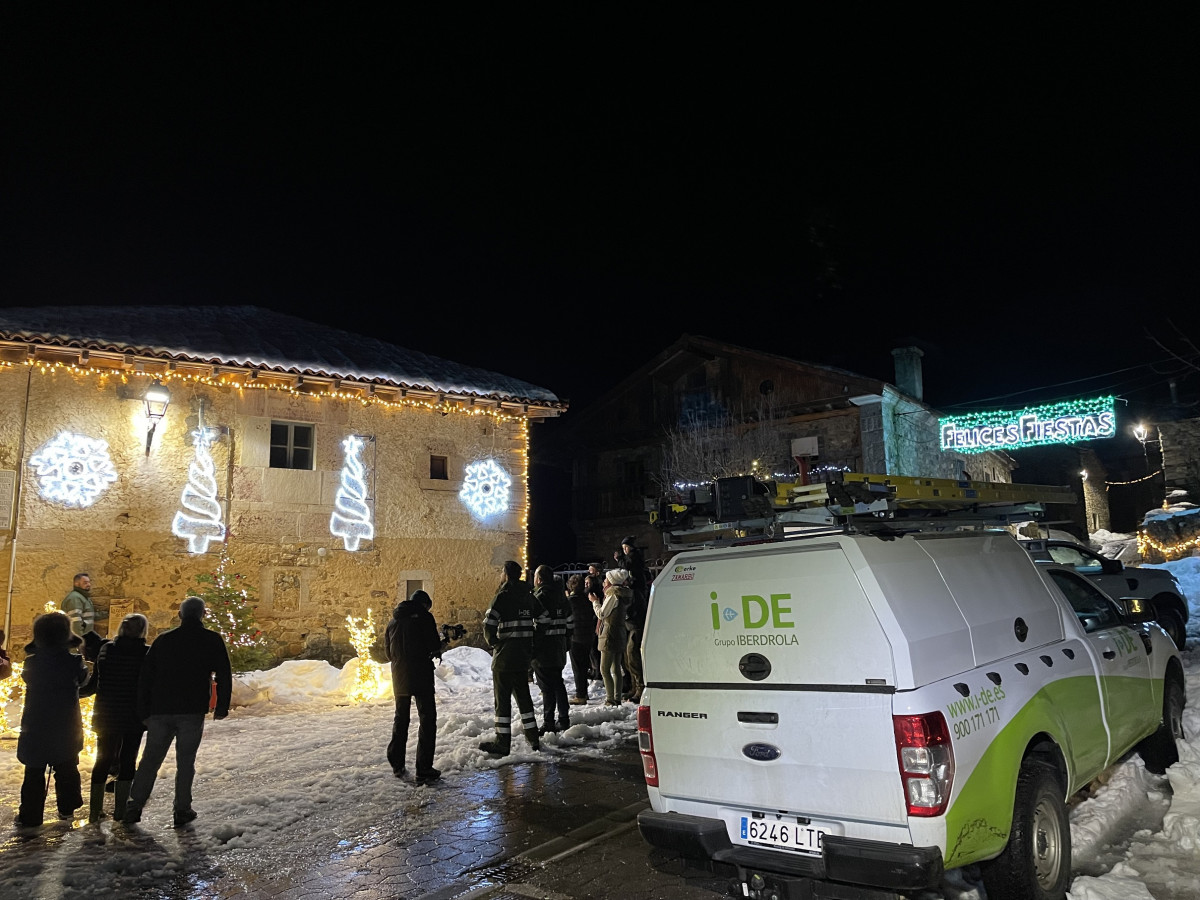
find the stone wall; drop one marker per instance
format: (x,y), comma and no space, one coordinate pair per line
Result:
(278,519)
(1181,456)
(910,445)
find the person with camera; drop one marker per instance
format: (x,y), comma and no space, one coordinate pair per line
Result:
(411,643)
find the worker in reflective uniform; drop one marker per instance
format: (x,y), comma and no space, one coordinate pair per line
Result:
(508,630)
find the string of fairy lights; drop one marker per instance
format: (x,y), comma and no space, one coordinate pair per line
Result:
(313,390)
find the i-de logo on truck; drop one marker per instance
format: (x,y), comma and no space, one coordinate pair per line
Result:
(756,612)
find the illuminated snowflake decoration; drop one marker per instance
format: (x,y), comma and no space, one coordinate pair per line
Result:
(73,469)
(485,489)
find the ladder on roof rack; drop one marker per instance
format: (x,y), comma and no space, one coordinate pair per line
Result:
(741,509)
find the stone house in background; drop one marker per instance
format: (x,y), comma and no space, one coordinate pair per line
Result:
(336,472)
(797,416)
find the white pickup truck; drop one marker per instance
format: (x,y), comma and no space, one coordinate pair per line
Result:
(849,715)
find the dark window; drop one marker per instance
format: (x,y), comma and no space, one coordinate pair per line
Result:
(438,468)
(1093,608)
(292,445)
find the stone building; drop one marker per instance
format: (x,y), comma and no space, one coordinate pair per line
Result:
(335,473)
(728,410)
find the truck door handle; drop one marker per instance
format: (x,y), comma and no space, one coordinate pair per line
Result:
(1110,654)
(758,718)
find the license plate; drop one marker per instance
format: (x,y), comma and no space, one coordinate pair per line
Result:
(782,835)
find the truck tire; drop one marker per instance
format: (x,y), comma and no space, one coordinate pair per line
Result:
(1036,863)
(1159,750)
(1171,621)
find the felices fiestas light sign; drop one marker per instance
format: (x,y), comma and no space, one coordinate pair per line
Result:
(1056,423)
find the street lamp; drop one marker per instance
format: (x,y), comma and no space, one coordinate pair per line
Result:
(157,398)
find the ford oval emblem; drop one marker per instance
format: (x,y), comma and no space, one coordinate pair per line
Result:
(762,752)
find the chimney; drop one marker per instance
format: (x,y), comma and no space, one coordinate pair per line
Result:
(908,371)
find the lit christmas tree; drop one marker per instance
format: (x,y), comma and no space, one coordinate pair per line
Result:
(201,524)
(369,675)
(231,608)
(351,519)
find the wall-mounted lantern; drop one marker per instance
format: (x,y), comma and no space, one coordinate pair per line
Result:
(157,398)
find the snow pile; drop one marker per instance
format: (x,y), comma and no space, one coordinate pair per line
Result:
(1177,522)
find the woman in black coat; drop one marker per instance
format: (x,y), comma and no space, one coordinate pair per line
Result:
(114,717)
(51,725)
(583,637)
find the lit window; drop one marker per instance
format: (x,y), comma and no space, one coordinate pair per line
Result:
(292,445)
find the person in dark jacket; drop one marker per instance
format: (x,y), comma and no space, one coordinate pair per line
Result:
(593,583)
(631,559)
(508,630)
(583,637)
(411,643)
(174,693)
(551,635)
(51,724)
(115,715)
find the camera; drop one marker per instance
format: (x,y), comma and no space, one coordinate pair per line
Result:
(453,632)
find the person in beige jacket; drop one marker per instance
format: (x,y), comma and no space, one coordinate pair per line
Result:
(610,612)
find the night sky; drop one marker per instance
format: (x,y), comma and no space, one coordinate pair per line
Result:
(559,199)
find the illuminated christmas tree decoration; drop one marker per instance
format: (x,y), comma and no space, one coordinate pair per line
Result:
(201,523)
(1057,423)
(351,519)
(230,602)
(73,470)
(485,489)
(368,676)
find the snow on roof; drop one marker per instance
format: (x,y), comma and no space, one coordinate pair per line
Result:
(256,338)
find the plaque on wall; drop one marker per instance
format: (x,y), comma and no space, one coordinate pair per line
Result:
(8,486)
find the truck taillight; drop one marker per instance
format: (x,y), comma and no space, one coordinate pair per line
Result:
(646,746)
(926,762)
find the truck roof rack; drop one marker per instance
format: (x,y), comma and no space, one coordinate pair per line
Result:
(743,509)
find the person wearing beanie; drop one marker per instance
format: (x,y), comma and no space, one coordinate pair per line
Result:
(412,643)
(51,723)
(610,611)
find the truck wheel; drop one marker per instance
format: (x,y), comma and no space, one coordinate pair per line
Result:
(1036,863)
(1172,623)
(1159,751)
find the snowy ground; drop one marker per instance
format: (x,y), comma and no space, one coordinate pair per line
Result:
(299,769)
(296,768)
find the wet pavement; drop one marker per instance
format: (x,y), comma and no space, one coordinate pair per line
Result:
(555,829)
